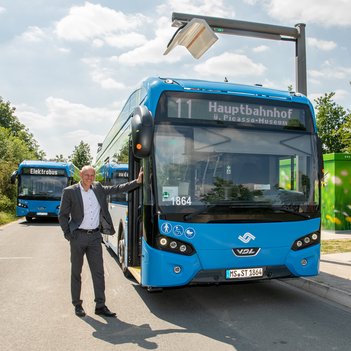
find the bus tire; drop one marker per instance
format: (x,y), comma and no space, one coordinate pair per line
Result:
(29,219)
(121,253)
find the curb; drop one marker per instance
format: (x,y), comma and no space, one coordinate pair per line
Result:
(328,292)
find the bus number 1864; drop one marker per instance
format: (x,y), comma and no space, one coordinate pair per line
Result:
(181,201)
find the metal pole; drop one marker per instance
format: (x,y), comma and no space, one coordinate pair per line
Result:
(300,60)
(235,24)
(259,30)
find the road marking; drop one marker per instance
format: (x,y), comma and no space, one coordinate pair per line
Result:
(15,258)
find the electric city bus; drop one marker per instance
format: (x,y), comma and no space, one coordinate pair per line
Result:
(114,174)
(231,188)
(40,185)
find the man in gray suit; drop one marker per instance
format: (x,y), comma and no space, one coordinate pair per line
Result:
(83,216)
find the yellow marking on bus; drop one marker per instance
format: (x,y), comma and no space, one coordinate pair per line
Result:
(136,273)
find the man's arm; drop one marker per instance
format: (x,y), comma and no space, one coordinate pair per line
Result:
(64,213)
(124,188)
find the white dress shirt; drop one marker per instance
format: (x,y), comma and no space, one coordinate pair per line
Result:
(91,207)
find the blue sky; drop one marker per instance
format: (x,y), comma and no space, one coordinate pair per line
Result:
(68,67)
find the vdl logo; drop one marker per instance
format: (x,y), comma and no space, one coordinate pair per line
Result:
(246,238)
(247,252)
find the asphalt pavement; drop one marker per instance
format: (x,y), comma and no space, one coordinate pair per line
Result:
(334,280)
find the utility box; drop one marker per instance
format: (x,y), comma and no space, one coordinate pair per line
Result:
(336,192)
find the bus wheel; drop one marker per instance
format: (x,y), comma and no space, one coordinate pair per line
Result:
(29,219)
(121,256)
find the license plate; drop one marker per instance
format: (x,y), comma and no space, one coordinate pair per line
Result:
(42,213)
(244,273)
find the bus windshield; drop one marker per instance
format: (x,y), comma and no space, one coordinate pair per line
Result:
(37,187)
(119,177)
(201,166)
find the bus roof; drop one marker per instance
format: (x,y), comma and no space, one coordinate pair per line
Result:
(219,87)
(157,85)
(44,164)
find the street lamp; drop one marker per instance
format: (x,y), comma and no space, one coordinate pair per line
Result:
(196,36)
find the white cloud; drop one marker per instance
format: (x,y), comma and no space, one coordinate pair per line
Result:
(321,44)
(65,124)
(92,21)
(260,48)
(110,83)
(64,50)
(203,7)
(152,51)
(2,10)
(33,34)
(330,71)
(340,94)
(126,40)
(101,75)
(98,43)
(63,113)
(324,12)
(229,64)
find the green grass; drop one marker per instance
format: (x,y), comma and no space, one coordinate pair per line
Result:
(335,246)
(7,217)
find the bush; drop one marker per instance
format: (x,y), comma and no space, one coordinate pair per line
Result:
(7,217)
(6,204)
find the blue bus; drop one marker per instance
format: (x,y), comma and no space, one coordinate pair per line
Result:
(113,173)
(40,185)
(231,190)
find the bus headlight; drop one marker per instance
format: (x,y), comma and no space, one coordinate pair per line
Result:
(307,241)
(163,241)
(22,205)
(174,245)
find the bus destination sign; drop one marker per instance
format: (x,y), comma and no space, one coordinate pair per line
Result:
(43,171)
(229,112)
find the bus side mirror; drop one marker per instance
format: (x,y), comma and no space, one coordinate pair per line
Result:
(13,177)
(142,132)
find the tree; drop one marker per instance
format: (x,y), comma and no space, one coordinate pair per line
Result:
(123,155)
(81,155)
(329,119)
(9,121)
(345,134)
(12,152)
(60,158)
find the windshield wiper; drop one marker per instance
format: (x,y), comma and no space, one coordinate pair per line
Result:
(222,203)
(187,217)
(291,211)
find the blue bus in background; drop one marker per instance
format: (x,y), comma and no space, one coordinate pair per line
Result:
(40,185)
(113,173)
(231,190)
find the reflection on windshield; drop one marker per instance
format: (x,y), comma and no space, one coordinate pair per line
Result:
(198,166)
(41,187)
(121,197)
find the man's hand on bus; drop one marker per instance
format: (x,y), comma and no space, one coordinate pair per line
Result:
(140,176)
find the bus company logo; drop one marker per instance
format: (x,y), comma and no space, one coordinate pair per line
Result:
(246,238)
(246,252)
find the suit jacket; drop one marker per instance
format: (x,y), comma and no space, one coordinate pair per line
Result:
(71,212)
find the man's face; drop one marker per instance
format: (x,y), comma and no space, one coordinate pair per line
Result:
(88,177)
